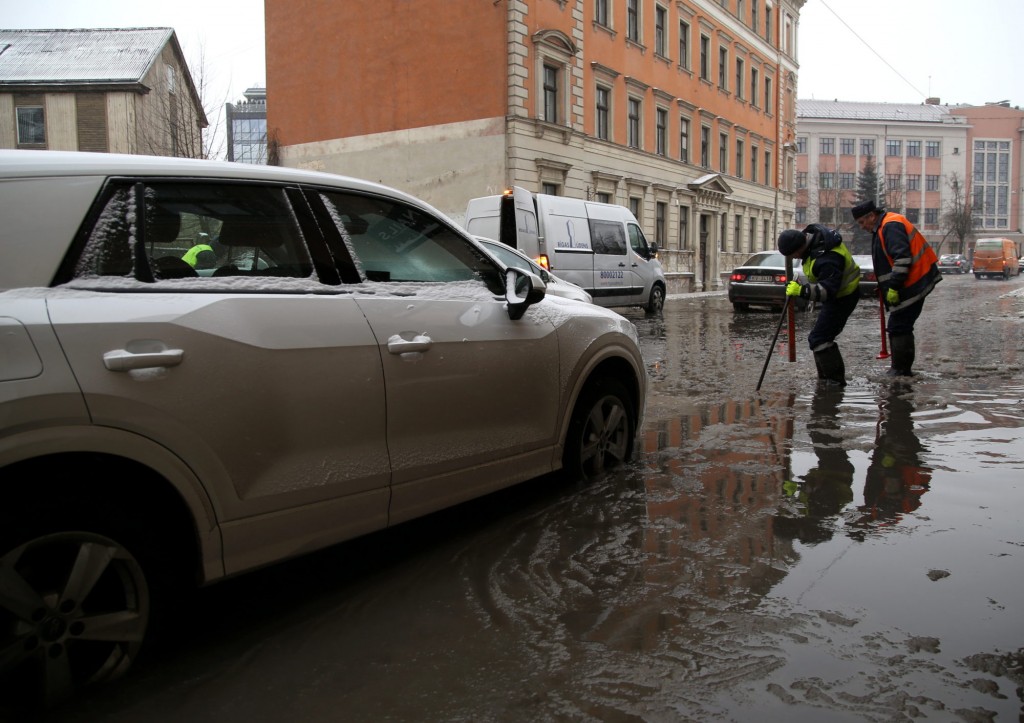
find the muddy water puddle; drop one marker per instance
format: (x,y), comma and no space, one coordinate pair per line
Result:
(849,556)
(775,556)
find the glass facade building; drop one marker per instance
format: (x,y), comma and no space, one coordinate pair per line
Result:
(247,127)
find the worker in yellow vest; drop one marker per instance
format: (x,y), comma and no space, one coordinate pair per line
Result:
(834,282)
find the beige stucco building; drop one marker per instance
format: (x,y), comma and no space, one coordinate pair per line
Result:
(110,90)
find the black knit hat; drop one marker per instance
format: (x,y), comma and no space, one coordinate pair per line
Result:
(863,209)
(791,241)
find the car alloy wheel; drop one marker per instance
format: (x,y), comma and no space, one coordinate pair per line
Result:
(601,432)
(74,607)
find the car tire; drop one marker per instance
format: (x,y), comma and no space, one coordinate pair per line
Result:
(656,301)
(601,431)
(740,306)
(77,616)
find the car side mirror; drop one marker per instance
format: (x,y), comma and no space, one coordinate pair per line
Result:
(522,290)
(654,251)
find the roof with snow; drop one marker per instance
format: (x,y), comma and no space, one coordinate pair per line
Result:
(848,110)
(80,56)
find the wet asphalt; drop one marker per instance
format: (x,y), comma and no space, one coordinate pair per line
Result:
(788,554)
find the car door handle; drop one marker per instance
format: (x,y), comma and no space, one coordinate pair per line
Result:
(420,342)
(122,360)
(621,264)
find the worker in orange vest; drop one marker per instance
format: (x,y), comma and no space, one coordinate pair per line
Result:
(907,270)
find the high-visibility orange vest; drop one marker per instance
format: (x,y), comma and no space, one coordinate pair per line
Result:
(922,257)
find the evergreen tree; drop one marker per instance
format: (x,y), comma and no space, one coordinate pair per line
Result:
(869,185)
(869,188)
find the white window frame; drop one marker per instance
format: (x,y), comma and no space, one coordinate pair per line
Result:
(31,123)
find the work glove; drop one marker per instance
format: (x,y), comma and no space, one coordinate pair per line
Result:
(793,288)
(892,297)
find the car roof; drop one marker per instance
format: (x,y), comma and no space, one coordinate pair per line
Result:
(74,178)
(35,164)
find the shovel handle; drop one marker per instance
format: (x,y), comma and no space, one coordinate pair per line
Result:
(771,348)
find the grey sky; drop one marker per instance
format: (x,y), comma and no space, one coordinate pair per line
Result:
(960,52)
(927,47)
(228,34)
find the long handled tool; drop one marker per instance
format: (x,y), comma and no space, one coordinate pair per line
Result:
(782,318)
(884,354)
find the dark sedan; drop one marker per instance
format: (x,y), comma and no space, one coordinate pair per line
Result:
(868,280)
(761,281)
(954,264)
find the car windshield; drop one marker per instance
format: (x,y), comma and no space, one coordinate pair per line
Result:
(948,257)
(510,258)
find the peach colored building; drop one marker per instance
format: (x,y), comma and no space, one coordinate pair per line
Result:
(995,151)
(683,110)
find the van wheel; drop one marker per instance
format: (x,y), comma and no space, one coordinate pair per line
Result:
(601,431)
(74,613)
(656,302)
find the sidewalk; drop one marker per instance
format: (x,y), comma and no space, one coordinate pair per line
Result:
(695,295)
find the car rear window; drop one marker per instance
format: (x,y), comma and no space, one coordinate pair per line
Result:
(776,260)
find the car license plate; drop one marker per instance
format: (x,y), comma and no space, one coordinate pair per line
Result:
(762,279)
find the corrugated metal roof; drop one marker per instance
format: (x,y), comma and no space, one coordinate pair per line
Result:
(103,55)
(848,110)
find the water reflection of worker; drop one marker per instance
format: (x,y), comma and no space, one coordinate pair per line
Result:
(817,499)
(896,477)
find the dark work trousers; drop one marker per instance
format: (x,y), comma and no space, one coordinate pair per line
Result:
(901,321)
(832,318)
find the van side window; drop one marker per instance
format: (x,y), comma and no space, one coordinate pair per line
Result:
(639,242)
(607,237)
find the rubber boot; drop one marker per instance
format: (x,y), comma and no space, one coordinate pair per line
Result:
(831,368)
(902,347)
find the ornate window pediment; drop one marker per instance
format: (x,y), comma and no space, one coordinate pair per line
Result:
(557,42)
(711,183)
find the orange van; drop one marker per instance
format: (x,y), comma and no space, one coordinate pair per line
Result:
(995,257)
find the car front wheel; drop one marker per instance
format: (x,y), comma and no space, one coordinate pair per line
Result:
(601,431)
(74,607)
(656,302)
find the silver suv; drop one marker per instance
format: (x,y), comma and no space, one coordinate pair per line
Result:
(209,367)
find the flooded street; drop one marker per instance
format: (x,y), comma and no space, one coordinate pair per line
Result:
(782,555)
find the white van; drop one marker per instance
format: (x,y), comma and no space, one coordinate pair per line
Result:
(598,246)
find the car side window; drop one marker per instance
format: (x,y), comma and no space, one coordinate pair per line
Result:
(638,241)
(607,237)
(199,229)
(391,241)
